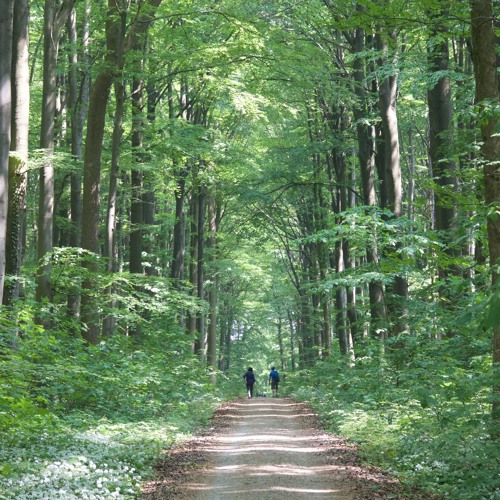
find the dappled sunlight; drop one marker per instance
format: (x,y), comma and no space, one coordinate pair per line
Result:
(239,438)
(281,469)
(272,489)
(269,415)
(271,451)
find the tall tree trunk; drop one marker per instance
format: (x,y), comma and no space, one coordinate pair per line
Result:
(440,129)
(193,267)
(200,320)
(136,216)
(223,333)
(390,134)
(95,133)
(6,27)
(18,164)
(279,332)
(79,91)
(54,19)
(212,292)
(488,89)
(110,236)
(136,206)
(179,243)
(148,197)
(350,263)
(92,163)
(292,339)
(366,151)
(91,190)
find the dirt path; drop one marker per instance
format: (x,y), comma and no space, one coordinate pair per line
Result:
(270,449)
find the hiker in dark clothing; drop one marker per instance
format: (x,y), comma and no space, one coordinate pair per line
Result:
(250,380)
(274,378)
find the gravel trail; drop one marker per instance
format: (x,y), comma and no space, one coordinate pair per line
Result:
(265,448)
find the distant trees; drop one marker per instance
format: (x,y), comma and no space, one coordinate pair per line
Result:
(322,135)
(357,150)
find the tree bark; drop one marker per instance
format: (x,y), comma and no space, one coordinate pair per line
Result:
(95,133)
(366,155)
(18,164)
(390,136)
(200,260)
(54,20)
(136,204)
(6,32)
(212,292)
(92,164)
(110,237)
(179,243)
(488,90)
(193,267)
(440,130)
(79,91)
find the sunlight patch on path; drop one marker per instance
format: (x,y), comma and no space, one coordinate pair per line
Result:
(271,451)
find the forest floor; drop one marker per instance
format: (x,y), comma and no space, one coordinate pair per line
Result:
(267,448)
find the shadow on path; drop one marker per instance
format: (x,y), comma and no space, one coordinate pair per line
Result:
(263,449)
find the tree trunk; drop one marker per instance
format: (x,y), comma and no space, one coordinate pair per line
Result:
(136,216)
(440,130)
(179,243)
(200,320)
(292,338)
(54,19)
(193,267)
(488,89)
(223,334)
(6,27)
(95,133)
(110,236)
(18,164)
(136,205)
(148,197)
(91,189)
(390,135)
(366,156)
(92,164)
(279,332)
(79,91)
(78,101)
(212,293)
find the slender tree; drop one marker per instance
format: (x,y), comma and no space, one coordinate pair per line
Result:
(18,163)
(213,221)
(440,130)
(55,16)
(6,27)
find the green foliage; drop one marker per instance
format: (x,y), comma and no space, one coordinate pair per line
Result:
(421,411)
(80,420)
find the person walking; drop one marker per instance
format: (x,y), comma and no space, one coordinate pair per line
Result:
(274,378)
(250,380)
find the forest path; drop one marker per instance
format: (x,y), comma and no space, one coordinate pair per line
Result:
(266,448)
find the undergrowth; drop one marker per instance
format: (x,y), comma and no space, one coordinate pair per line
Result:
(417,412)
(90,422)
